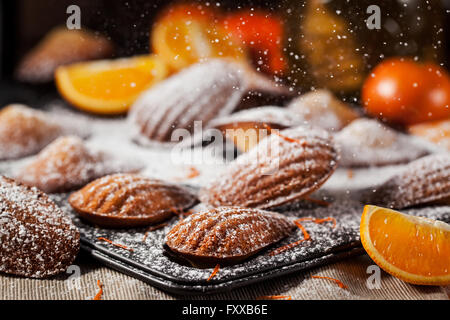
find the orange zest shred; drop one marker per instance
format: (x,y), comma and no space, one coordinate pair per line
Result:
(176,211)
(115,244)
(99,294)
(193,173)
(339,282)
(276,132)
(319,221)
(153,228)
(350,173)
(317,201)
(289,246)
(274,298)
(215,271)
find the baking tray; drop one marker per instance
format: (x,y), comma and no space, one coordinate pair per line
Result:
(151,263)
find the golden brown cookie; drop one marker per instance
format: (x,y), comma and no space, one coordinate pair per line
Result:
(437,132)
(247,127)
(282,168)
(227,235)
(129,200)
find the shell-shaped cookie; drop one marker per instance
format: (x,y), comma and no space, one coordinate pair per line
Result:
(367,142)
(25,131)
(227,235)
(437,132)
(247,127)
(37,239)
(68,163)
(61,46)
(276,117)
(283,167)
(322,109)
(198,93)
(425,180)
(129,200)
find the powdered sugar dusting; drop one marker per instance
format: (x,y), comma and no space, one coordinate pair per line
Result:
(68,163)
(36,238)
(367,142)
(227,233)
(151,255)
(422,181)
(321,109)
(25,131)
(125,196)
(198,93)
(276,171)
(112,136)
(278,116)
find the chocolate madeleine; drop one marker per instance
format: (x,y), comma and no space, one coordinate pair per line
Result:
(129,200)
(37,239)
(285,166)
(227,235)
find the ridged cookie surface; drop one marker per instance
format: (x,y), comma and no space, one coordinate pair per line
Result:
(198,93)
(37,239)
(227,234)
(129,200)
(422,181)
(281,168)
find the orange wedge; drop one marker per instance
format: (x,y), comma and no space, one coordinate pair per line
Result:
(414,249)
(108,86)
(186,34)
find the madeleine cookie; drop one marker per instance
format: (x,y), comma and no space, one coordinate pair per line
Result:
(25,131)
(129,200)
(246,128)
(68,163)
(282,168)
(60,47)
(322,109)
(198,93)
(227,235)
(37,239)
(367,142)
(426,180)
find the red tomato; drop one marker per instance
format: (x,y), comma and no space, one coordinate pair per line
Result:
(405,92)
(260,32)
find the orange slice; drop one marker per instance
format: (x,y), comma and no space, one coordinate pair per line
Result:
(414,249)
(185,35)
(108,86)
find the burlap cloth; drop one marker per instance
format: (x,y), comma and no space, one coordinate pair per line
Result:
(351,272)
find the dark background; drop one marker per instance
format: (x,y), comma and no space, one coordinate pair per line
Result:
(127,22)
